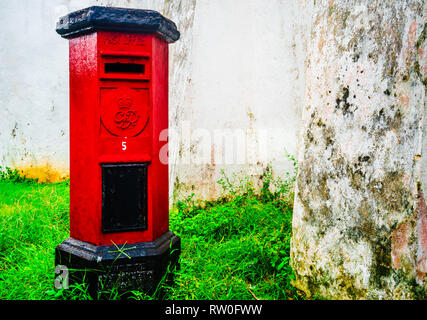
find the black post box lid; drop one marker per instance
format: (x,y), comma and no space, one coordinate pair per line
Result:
(116,19)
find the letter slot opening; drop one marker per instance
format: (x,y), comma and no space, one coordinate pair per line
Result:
(119,67)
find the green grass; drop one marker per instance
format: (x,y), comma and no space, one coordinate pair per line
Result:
(33,221)
(236,247)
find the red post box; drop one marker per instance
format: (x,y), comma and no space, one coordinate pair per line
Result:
(118,65)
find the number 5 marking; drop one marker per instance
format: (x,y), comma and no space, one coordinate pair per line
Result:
(123,145)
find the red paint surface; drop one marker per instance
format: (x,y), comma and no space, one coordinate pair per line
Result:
(400,249)
(94,134)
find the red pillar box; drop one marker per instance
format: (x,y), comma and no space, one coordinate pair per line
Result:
(119,227)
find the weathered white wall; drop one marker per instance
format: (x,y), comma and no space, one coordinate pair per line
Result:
(237,74)
(360,217)
(237,71)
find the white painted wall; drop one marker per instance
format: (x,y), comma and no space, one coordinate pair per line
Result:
(238,66)
(245,75)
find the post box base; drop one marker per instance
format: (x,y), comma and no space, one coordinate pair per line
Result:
(122,267)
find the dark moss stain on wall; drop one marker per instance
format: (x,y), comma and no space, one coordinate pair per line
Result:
(381,264)
(343,104)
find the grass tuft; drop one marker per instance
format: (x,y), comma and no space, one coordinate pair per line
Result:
(237,247)
(33,221)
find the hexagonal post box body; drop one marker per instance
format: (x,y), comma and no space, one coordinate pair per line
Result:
(118,108)
(118,65)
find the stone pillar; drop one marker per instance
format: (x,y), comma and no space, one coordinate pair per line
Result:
(360,218)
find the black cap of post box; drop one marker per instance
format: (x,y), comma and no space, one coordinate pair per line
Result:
(116,19)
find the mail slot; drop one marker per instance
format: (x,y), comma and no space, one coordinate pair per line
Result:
(118,68)
(125,65)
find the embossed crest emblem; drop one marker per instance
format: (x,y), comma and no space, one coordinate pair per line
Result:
(124,112)
(126,118)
